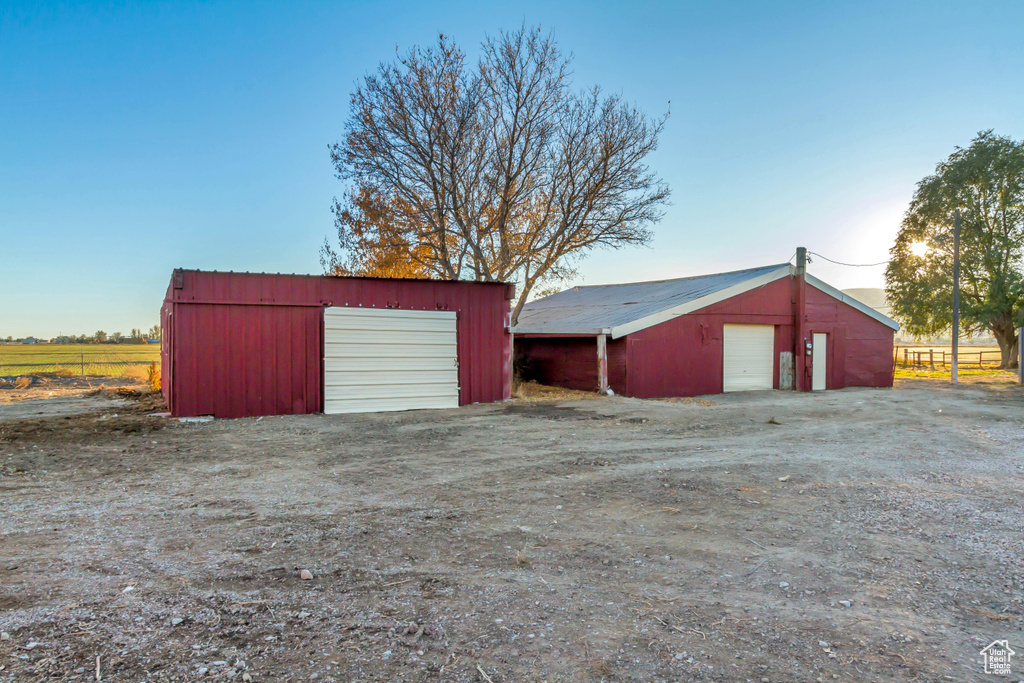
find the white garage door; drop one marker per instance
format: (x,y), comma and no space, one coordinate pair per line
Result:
(386,359)
(747,357)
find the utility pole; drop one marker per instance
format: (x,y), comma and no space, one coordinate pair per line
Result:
(1020,355)
(800,302)
(956,293)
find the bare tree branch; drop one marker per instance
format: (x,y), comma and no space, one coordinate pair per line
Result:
(500,172)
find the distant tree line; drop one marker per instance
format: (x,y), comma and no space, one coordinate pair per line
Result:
(136,336)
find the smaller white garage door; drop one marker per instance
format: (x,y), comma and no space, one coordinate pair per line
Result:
(748,353)
(386,359)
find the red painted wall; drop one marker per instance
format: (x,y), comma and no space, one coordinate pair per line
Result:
(243,344)
(235,361)
(859,347)
(569,362)
(683,356)
(617,351)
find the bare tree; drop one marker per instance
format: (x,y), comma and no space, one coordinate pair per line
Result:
(498,172)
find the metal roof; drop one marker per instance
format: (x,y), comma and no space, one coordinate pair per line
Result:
(618,310)
(615,309)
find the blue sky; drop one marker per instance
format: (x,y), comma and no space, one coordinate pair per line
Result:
(136,138)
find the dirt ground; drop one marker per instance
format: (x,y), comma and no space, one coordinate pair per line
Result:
(854,535)
(20,388)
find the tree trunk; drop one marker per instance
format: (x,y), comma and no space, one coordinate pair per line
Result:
(527,287)
(1006,337)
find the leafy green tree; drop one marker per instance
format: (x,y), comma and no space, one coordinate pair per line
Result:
(986,182)
(100,337)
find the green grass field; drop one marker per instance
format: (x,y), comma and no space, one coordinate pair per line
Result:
(107,360)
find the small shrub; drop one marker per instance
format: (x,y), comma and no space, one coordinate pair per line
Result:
(153,376)
(23,383)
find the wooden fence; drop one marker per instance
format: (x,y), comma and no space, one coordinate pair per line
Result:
(936,358)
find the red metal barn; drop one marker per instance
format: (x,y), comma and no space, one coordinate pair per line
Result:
(243,344)
(763,328)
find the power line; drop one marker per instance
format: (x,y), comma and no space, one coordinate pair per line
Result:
(852,265)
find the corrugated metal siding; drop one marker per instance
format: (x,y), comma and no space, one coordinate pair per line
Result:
(569,362)
(860,347)
(166,372)
(237,361)
(245,344)
(783,342)
(617,365)
(683,357)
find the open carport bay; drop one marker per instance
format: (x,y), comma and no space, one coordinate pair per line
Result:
(605,539)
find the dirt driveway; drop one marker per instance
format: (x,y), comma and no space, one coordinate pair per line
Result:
(856,535)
